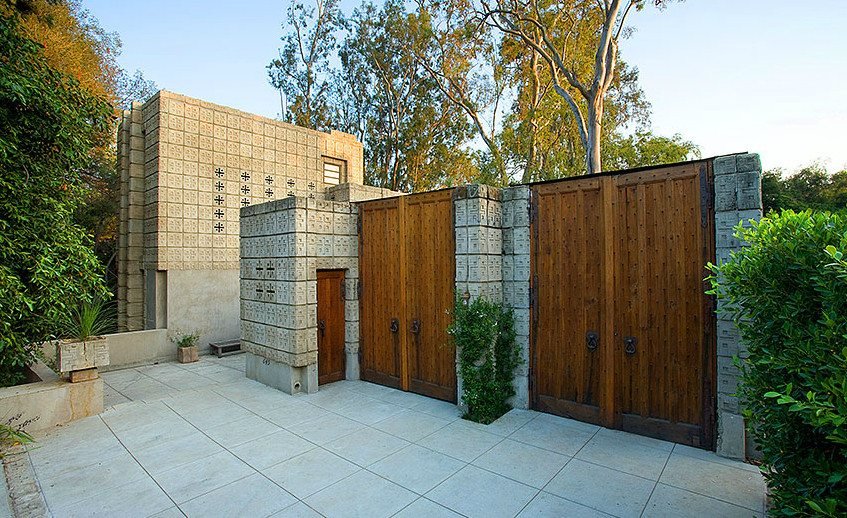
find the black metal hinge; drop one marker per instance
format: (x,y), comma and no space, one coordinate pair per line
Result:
(343,290)
(359,224)
(359,289)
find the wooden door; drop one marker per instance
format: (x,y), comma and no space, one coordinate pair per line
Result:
(622,329)
(664,355)
(430,273)
(407,272)
(330,326)
(380,301)
(567,313)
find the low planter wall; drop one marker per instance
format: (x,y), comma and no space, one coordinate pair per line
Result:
(135,348)
(51,401)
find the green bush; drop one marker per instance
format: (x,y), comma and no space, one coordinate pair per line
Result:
(484,333)
(788,293)
(47,265)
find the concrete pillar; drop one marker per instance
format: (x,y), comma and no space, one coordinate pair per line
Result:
(738,199)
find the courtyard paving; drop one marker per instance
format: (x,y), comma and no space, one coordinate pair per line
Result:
(202,440)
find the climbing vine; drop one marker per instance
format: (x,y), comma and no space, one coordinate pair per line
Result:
(484,334)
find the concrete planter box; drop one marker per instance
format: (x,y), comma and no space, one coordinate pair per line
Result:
(81,355)
(187,354)
(51,401)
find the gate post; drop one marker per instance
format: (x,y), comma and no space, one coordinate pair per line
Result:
(738,198)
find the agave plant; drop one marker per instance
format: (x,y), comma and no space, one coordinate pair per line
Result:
(89,319)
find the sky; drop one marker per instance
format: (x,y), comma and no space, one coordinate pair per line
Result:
(764,76)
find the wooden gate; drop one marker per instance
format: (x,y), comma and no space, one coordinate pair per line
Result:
(623,333)
(330,297)
(407,272)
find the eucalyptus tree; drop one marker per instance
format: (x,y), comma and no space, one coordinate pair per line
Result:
(413,135)
(562,33)
(302,70)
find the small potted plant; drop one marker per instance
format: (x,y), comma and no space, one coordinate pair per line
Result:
(186,346)
(82,348)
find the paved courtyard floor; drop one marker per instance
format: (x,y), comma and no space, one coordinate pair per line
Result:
(202,440)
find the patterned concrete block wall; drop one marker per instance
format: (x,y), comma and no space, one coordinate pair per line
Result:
(131,228)
(200,164)
(479,241)
(738,199)
(283,244)
(516,278)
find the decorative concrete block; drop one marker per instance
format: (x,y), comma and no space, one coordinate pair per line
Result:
(724,165)
(731,436)
(726,193)
(748,162)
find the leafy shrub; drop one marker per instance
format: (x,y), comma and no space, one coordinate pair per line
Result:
(788,293)
(47,265)
(89,319)
(13,433)
(185,339)
(484,333)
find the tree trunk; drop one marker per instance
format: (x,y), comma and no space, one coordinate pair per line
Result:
(592,144)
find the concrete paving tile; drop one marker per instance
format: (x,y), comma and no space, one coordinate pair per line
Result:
(366,446)
(310,472)
(271,449)
(156,432)
(171,512)
(428,508)
(293,413)
(460,441)
(298,510)
(411,425)
(601,488)
(734,485)
(546,505)
(668,501)
(173,453)
(562,436)
(50,461)
(362,494)
(370,411)
(140,498)
(711,456)
(130,417)
(241,431)
(196,478)
(71,486)
(147,389)
(442,409)
(633,454)
(112,397)
(417,468)
(215,416)
(526,464)
(326,428)
(475,492)
(121,378)
(253,495)
(511,421)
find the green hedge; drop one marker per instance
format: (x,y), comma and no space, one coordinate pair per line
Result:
(484,334)
(788,293)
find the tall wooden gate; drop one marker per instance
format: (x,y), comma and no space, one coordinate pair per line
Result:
(622,329)
(407,272)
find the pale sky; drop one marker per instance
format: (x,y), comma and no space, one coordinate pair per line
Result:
(765,76)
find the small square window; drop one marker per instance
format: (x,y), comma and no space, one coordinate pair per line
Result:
(334,170)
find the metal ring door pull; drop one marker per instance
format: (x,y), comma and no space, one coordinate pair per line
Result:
(592,340)
(321,326)
(629,344)
(416,326)
(395,325)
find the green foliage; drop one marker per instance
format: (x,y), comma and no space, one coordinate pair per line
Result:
(89,319)
(12,434)
(185,339)
(50,125)
(787,291)
(484,333)
(810,188)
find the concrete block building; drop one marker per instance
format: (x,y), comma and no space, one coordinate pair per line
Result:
(187,168)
